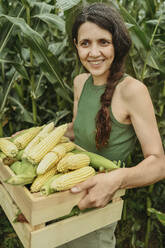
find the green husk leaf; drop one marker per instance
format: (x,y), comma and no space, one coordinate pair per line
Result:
(97,161)
(46,189)
(2,155)
(24,168)
(20,180)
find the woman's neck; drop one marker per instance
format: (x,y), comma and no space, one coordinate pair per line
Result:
(99,80)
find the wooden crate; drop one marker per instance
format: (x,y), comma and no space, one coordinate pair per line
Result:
(39,210)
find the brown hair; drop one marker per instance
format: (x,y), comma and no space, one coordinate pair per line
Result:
(109,19)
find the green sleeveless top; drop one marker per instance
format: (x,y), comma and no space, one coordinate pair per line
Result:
(122,137)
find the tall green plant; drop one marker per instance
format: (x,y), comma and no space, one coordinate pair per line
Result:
(31,56)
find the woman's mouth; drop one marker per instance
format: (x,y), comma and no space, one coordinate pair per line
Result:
(95,62)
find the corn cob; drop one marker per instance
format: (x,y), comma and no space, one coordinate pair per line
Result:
(41,135)
(8,148)
(23,168)
(48,162)
(41,179)
(73,162)
(70,179)
(20,179)
(69,146)
(22,140)
(59,150)
(97,161)
(25,173)
(45,189)
(46,145)
(51,159)
(64,139)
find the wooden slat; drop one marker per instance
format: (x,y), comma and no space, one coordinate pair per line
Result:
(64,231)
(10,209)
(53,206)
(57,205)
(19,194)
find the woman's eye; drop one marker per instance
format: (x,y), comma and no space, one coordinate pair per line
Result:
(104,42)
(85,43)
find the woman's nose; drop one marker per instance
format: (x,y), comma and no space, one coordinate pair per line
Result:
(94,51)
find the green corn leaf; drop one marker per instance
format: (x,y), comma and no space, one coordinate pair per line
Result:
(160,216)
(9,32)
(19,67)
(66,4)
(52,20)
(25,114)
(60,115)
(43,7)
(47,61)
(151,7)
(6,93)
(138,36)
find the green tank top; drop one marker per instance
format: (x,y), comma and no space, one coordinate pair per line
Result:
(122,137)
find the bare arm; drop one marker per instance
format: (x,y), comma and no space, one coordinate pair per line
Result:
(102,187)
(152,168)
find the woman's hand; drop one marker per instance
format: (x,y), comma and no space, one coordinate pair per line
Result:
(100,189)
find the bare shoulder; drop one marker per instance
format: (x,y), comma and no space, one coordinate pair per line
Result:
(79,82)
(81,78)
(132,89)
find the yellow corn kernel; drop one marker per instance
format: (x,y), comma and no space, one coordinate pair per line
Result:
(8,148)
(48,162)
(69,146)
(46,145)
(23,139)
(73,162)
(42,179)
(70,179)
(41,135)
(51,159)
(60,150)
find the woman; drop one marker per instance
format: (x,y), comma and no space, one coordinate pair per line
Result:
(111,109)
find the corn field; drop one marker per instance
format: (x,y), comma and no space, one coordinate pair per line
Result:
(37,66)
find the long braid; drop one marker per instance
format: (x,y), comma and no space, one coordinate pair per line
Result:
(103,121)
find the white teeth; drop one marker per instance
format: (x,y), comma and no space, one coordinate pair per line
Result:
(95,62)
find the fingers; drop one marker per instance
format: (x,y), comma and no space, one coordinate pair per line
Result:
(83,186)
(85,203)
(91,199)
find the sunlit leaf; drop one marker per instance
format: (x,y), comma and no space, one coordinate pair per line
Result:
(52,20)
(160,216)
(66,4)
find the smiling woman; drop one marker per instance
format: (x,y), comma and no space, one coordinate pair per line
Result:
(111,110)
(95,50)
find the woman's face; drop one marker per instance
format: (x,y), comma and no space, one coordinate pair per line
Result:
(95,49)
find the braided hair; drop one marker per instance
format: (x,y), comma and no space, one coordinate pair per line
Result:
(109,19)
